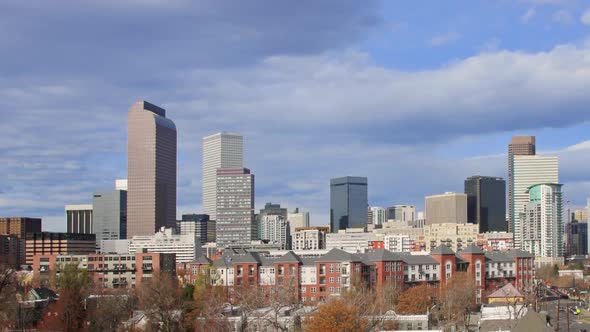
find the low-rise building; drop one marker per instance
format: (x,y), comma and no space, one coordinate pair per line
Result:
(109,271)
(397,243)
(310,238)
(186,247)
(351,240)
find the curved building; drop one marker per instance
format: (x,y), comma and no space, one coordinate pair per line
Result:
(151,196)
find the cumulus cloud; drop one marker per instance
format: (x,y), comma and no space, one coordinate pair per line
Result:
(444,39)
(528,15)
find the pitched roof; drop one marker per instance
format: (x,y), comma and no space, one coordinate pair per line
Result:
(379,255)
(498,256)
(335,255)
(532,321)
(472,249)
(202,260)
(442,250)
(507,291)
(289,257)
(418,259)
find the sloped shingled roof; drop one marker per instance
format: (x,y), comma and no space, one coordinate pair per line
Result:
(508,291)
(442,250)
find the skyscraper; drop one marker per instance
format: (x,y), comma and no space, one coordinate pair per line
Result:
(79,218)
(235,224)
(520,146)
(151,148)
(542,221)
(528,171)
(297,218)
(110,215)
(221,150)
(401,213)
(378,215)
(446,208)
(348,203)
(486,203)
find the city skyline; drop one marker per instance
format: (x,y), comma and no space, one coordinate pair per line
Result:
(330,102)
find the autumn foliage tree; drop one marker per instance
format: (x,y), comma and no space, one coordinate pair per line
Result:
(336,315)
(415,300)
(159,297)
(458,298)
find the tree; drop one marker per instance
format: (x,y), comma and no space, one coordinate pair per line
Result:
(458,298)
(68,312)
(8,291)
(415,301)
(159,297)
(110,309)
(389,295)
(204,311)
(548,273)
(336,315)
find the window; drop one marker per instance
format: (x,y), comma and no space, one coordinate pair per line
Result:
(331,279)
(302,289)
(331,268)
(313,290)
(272,270)
(281,270)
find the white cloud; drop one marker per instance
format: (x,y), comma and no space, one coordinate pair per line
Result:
(443,39)
(563,17)
(585,18)
(528,15)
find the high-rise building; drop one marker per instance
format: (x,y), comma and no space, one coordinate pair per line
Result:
(348,203)
(235,224)
(402,213)
(579,215)
(520,146)
(542,221)
(309,238)
(378,215)
(577,238)
(11,251)
(198,224)
(109,215)
(79,218)
(297,219)
(528,171)
(151,196)
(19,226)
(486,203)
(275,230)
(221,150)
(58,243)
(446,208)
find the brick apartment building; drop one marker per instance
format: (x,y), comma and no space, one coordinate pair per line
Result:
(316,277)
(107,270)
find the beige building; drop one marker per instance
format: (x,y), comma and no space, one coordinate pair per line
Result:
(151,148)
(446,208)
(455,236)
(309,238)
(520,145)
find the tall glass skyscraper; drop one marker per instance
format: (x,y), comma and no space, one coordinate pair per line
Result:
(221,150)
(110,215)
(486,203)
(151,148)
(348,203)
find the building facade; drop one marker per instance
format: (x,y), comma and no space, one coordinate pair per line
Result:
(378,215)
(446,208)
(221,150)
(528,171)
(520,146)
(275,230)
(542,221)
(79,218)
(486,203)
(18,227)
(402,212)
(309,238)
(351,240)
(348,203)
(577,238)
(397,243)
(151,169)
(186,247)
(297,218)
(199,224)
(108,271)
(58,243)
(235,224)
(110,215)
(11,248)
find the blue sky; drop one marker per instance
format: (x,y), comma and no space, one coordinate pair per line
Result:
(415,95)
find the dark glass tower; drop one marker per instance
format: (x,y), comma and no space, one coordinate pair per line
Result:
(348,203)
(486,203)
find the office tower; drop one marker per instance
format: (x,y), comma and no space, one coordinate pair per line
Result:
(199,224)
(274,228)
(270,209)
(19,226)
(378,215)
(309,238)
(577,238)
(401,213)
(520,146)
(486,203)
(58,243)
(528,171)
(10,251)
(446,208)
(151,196)
(297,218)
(235,224)
(121,184)
(580,215)
(221,150)
(79,218)
(110,215)
(542,221)
(348,203)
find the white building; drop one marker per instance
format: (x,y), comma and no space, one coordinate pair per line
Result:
(275,230)
(221,150)
(351,240)
(121,184)
(542,221)
(297,219)
(401,212)
(397,243)
(186,247)
(378,215)
(529,171)
(235,225)
(309,238)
